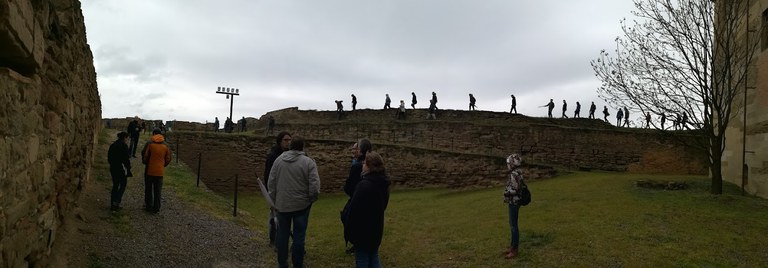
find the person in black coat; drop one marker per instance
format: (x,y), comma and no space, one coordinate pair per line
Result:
(133,130)
(359,151)
(281,145)
(365,219)
(119,167)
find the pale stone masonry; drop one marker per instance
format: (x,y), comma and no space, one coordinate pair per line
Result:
(49,117)
(757,114)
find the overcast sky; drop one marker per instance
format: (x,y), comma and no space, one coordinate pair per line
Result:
(164,59)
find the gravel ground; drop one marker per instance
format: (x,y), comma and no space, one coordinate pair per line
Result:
(180,235)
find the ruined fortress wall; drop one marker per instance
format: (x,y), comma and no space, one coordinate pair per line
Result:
(50,111)
(225,155)
(577,143)
(462,149)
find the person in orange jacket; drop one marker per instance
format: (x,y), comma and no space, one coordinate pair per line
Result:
(156,155)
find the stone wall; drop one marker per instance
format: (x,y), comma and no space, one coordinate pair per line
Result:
(225,155)
(50,111)
(463,149)
(578,143)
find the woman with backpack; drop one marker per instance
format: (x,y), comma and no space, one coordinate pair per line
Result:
(514,197)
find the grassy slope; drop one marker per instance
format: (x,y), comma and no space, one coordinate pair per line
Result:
(580,219)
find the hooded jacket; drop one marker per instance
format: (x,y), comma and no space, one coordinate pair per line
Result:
(294,183)
(156,156)
(365,222)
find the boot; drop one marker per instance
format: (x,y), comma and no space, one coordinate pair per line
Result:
(507,250)
(512,253)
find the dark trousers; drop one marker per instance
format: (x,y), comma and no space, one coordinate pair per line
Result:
(134,143)
(153,186)
(119,180)
(299,220)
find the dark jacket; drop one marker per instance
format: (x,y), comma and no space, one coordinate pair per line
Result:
(133,129)
(365,223)
(271,157)
(354,175)
(118,157)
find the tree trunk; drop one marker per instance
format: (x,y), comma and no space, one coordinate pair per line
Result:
(715,168)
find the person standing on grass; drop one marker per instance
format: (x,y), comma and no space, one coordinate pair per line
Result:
(365,222)
(281,145)
(119,167)
(156,156)
(294,185)
(512,195)
(359,150)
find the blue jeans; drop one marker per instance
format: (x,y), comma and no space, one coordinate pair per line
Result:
(300,220)
(513,212)
(365,258)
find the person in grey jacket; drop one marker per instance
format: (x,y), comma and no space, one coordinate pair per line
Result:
(294,185)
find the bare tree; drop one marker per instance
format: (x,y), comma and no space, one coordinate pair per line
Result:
(682,58)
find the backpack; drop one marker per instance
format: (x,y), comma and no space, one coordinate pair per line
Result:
(525,195)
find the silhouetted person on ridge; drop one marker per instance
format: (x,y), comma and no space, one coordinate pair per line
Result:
(434,100)
(626,117)
(550,106)
(339,109)
(576,113)
(606,114)
(216,125)
(592,109)
(663,119)
(413,100)
(514,104)
(619,115)
(647,119)
(565,108)
(354,102)
(472,101)
(387,101)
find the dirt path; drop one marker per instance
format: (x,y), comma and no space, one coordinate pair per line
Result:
(180,235)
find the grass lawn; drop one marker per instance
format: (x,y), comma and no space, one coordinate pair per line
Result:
(579,219)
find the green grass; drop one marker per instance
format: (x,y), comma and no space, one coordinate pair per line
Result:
(580,219)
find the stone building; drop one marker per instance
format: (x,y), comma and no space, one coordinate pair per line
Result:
(756,135)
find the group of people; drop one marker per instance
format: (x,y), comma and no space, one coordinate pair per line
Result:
(229,125)
(155,155)
(680,121)
(293,185)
